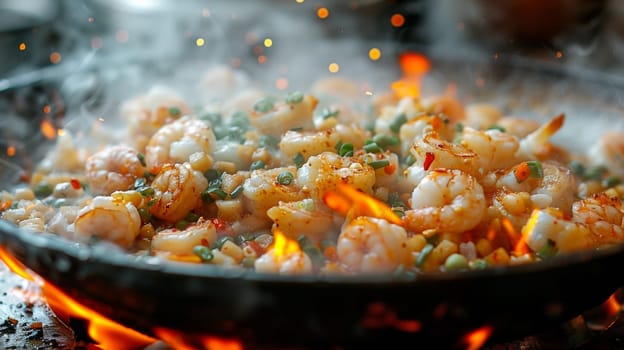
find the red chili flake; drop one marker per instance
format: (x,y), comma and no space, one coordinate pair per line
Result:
(205,242)
(429,157)
(219,224)
(389,169)
(75,184)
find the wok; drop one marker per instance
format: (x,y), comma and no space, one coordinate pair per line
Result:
(261,310)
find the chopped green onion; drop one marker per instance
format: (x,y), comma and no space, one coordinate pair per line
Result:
(398,121)
(215,183)
(346,150)
(459,127)
(139,183)
(298,159)
(141,159)
(594,173)
(191,217)
(548,250)
(215,193)
(535,168)
(394,200)
(146,191)
(244,237)
(240,119)
(182,224)
(409,160)
(383,140)
(311,250)
(297,128)
(268,141)
(294,97)
(218,244)
(424,254)
(402,272)
(379,163)
(258,164)
(237,191)
(212,174)
(372,147)
(478,264)
(577,167)
(338,145)
(456,262)
(264,105)
(145,214)
(204,253)
(496,127)
(174,111)
(612,181)
(43,190)
(285,178)
(327,113)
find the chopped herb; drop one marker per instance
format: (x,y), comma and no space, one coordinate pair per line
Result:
(258,164)
(139,183)
(264,105)
(141,159)
(268,141)
(528,169)
(311,250)
(244,237)
(383,140)
(409,160)
(459,127)
(399,212)
(204,253)
(212,174)
(398,121)
(43,190)
(372,147)
(478,264)
(174,111)
(213,193)
(182,224)
(296,128)
(338,145)
(394,200)
(496,127)
(298,159)
(215,183)
(379,163)
(285,178)
(237,191)
(577,168)
(149,176)
(612,181)
(594,173)
(327,113)
(146,191)
(536,169)
(218,244)
(548,250)
(191,217)
(424,254)
(145,214)
(346,150)
(240,120)
(294,97)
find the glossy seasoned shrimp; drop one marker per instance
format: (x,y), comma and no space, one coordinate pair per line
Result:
(109,219)
(416,128)
(447,200)
(549,226)
(303,218)
(323,172)
(535,145)
(261,191)
(372,245)
(289,261)
(182,242)
(602,215)
(494,149)
(177,190)
(317,142)
(519,127)
(285,116)
(114,168)
(482,116)
(609,152)
(145,114)
(177,141)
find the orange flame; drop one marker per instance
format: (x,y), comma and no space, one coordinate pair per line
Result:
(477,338)
(282,246)
(612,305)
(350,202)
(414,66)
(107,333)
(48,130)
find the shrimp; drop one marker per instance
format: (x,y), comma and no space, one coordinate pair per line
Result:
(182,242)
(407,107)
(535,145)
(285,116)
(109,219)
(323,172)
(519,127)
(145,114)
(414,129)
(482,116)
(609,151)
(177,141)
(494,149)
(284,257)
(314,143)
(555,188)
(373,245)
(261,191)
(114,168)
(603,216)
(447,200)
(548,225)
(177,190)
(302,218)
